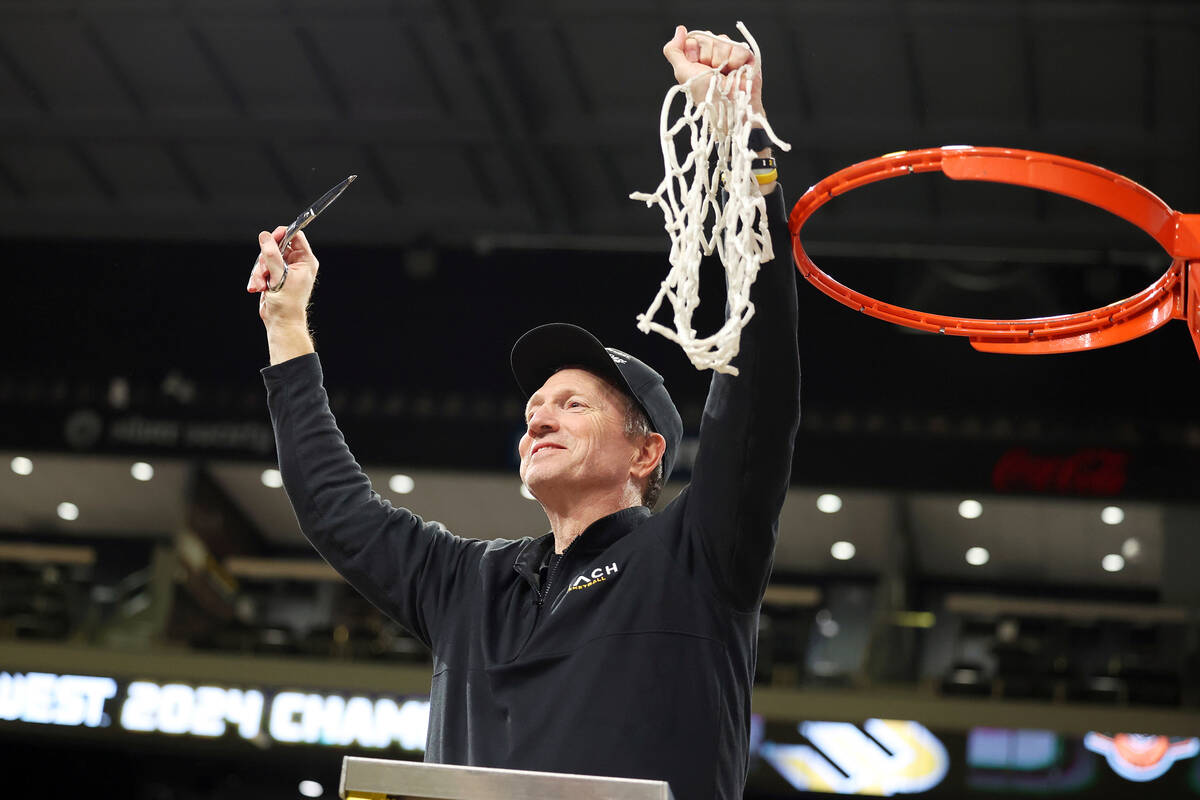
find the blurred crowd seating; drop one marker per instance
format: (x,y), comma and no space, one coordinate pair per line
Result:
(1071,650)
(1051,647)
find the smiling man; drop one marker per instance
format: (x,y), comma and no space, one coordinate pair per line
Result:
(600,434)
(622,642)
(576,452)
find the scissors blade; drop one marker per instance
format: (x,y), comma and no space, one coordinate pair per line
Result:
(310,213)
(333,194)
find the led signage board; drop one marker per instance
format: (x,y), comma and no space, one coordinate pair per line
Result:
(1141,757)
(878,757)
(55,699)
(883,757)
(211,711)
(904,758)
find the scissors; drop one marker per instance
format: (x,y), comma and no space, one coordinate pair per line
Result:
(307,216)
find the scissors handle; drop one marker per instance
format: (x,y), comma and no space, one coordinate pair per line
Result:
(297,226)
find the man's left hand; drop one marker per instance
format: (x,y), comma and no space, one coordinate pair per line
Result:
(691,56)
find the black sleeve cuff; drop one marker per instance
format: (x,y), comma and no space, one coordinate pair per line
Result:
(301,369)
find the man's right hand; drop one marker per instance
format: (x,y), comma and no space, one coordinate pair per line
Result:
(284,313)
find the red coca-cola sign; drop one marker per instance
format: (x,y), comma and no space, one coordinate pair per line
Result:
(1092,471)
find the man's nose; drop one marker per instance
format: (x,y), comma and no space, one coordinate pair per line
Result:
(542,419)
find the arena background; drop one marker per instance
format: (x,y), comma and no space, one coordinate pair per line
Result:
(142,147)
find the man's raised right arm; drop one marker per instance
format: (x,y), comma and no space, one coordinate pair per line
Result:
(406,567)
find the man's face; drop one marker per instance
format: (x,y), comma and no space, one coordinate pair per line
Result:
(575,436)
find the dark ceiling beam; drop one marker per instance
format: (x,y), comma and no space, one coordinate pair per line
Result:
(389,228)
(189,221)
(10,182)
(912,68)
(917,98)
(323,71)
(1150,75)
(120,77)
(424,46)
(638,11)
(127,86)
(1033,109)
(276,11)
(411,130)
(221,75)
(187,173)
(510,116)
(1033,113)
(270,154)
(798,81)
(24,81)
(381,176)
(423,57)
(622,135)
(580,92)
(611,170)
(90,168)
(104,53)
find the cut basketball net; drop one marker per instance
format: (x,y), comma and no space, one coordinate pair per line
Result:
(718,129)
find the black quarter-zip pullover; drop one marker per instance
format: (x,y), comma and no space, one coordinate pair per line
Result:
(634,655)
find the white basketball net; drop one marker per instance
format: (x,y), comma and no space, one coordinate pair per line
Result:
(718,128)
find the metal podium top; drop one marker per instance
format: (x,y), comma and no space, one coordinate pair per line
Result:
(376,778)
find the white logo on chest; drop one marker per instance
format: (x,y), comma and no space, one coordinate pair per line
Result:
(598,575)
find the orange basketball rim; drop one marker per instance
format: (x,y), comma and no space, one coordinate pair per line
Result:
(1175,295)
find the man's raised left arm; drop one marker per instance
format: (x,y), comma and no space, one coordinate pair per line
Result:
(747,435)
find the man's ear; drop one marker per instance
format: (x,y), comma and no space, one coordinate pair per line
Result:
(648,455)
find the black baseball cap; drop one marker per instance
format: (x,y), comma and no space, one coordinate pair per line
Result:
(541,352)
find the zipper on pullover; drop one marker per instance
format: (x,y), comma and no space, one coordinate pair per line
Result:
(555,562)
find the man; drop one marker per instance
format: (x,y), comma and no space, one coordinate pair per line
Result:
(621,643)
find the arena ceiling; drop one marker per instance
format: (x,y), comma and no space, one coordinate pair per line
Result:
(529,123)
